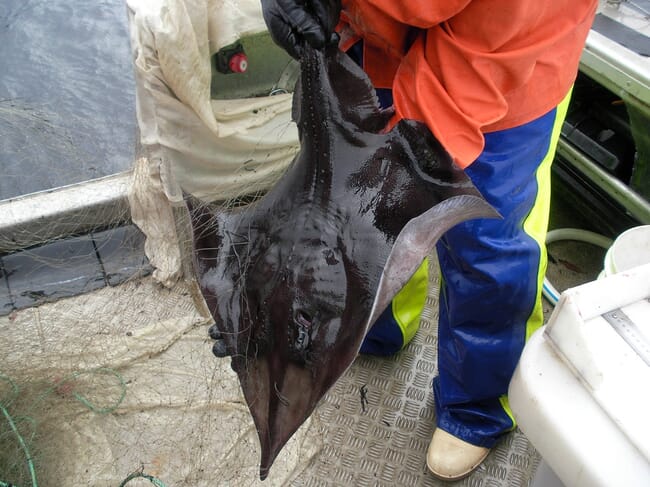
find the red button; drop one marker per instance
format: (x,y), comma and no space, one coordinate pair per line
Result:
(238,63)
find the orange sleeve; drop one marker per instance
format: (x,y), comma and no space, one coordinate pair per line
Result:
(419,94)
(486,66)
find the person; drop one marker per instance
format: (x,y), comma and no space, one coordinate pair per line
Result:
(492,81)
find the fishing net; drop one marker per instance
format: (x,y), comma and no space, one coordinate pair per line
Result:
(120,381)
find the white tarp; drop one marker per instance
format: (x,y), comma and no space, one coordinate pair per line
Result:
(204,142)
(213,149)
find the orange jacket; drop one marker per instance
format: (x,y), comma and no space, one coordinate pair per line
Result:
(469,67)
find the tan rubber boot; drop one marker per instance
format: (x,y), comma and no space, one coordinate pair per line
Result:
(450,458)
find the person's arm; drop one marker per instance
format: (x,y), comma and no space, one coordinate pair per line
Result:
(490,66)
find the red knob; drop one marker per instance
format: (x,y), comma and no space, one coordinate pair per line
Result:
(238,63)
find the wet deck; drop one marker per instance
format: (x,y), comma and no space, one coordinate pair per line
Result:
(372,428)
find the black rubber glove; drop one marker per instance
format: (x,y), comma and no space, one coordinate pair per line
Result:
(294,22)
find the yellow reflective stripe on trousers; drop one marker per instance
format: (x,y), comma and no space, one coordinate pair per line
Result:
(409,302)
(536,223)
(505,404)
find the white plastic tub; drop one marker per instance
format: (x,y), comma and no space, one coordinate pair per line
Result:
(582,387)
(630,249)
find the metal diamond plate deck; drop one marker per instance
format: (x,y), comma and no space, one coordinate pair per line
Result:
(378,420)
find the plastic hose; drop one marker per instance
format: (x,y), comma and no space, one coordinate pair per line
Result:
(155,481)
(21,441)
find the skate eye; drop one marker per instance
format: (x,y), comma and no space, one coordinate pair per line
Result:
(304,321)
(303,318)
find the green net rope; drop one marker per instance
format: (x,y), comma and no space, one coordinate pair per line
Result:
(15,392)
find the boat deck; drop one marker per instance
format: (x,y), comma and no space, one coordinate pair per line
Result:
(183,419)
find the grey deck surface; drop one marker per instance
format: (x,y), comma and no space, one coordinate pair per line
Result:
(71,266)
(386,444)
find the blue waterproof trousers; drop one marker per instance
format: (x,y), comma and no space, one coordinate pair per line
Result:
(492,273)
